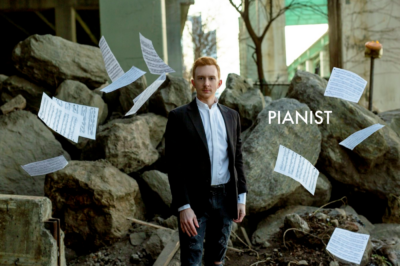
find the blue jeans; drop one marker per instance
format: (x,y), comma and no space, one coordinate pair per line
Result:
(214,227)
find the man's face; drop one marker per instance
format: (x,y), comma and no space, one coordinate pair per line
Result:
(206,81)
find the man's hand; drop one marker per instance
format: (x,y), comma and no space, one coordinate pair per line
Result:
(241,212)
(188,221)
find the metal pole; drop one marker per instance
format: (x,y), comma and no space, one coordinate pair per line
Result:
(371,83)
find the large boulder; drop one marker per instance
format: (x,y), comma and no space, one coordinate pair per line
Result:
(374,165)
(24,139)
(321,196)
(93,201)
(174,92)
(77,92)
(15,85)
(392,118)
(128,144)
(242,97)
(50,60)
(130,92)
(158,182)
(260,151)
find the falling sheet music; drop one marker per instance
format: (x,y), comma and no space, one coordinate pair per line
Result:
(348,245)
(113,68)
(356,138)
(131,76)
(64,122)
(345,85)
(145,95)
(45,167)
(297,167)
(155,64)
(89,117)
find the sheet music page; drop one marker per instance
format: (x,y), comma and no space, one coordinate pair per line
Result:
(155,64)
(348,245)
(145,95)
(297,167)
(345,85)
(356,138)
(46,166)
(130,76)
(89,117)
(113,68)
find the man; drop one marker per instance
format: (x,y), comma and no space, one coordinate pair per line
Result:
(205,168)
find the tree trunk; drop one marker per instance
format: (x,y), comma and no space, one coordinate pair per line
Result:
(260,68)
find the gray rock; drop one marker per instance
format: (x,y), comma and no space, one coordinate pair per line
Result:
(14,85)
(157,242)
(384,231)
(321,216)
(392,118)
(269,226)
(24,139)
(128,144)
(374,165)
(130,92)
(293,220)
(266,187)
(301,196)
(392,213)
(171,222)
(174,92)
(137,238)
(367,224)
(242,97)
(77,92)
(17,103)
(3,78)
(50,60)
(158,182)
(94,199)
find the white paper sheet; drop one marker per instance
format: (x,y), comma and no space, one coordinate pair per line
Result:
(297,167)
(113,68)
(89,117)
(356,138)
(348,245)
(145,95)
(155,64)
(130,76)
(45,167)
(345,85)
(63,121)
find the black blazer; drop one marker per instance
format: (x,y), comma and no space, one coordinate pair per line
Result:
(188,160)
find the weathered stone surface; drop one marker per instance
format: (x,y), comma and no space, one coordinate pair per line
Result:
(392,213)
(374,165)
(157,242)
(24,139)
(137,238)
(93,200)
(293,220)
(23,236)
(301,196)
(383,231)
(129,144)
(242,97)
(174,92)
(392,118)
(48,59)
(15,85)
(158,182)
(260,151)
(77,92)
(3,78)
(367,224)
(270,225)
(17,103)
(130,92)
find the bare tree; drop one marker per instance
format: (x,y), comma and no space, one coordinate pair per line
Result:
(273,10)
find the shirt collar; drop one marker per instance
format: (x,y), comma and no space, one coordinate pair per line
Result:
(200,104)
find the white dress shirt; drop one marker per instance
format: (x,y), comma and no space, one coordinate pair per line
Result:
(217,142)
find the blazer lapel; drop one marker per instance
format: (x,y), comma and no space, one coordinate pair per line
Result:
(228,125)
(194,115)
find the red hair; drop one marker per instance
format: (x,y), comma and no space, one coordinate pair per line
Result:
(205,61)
